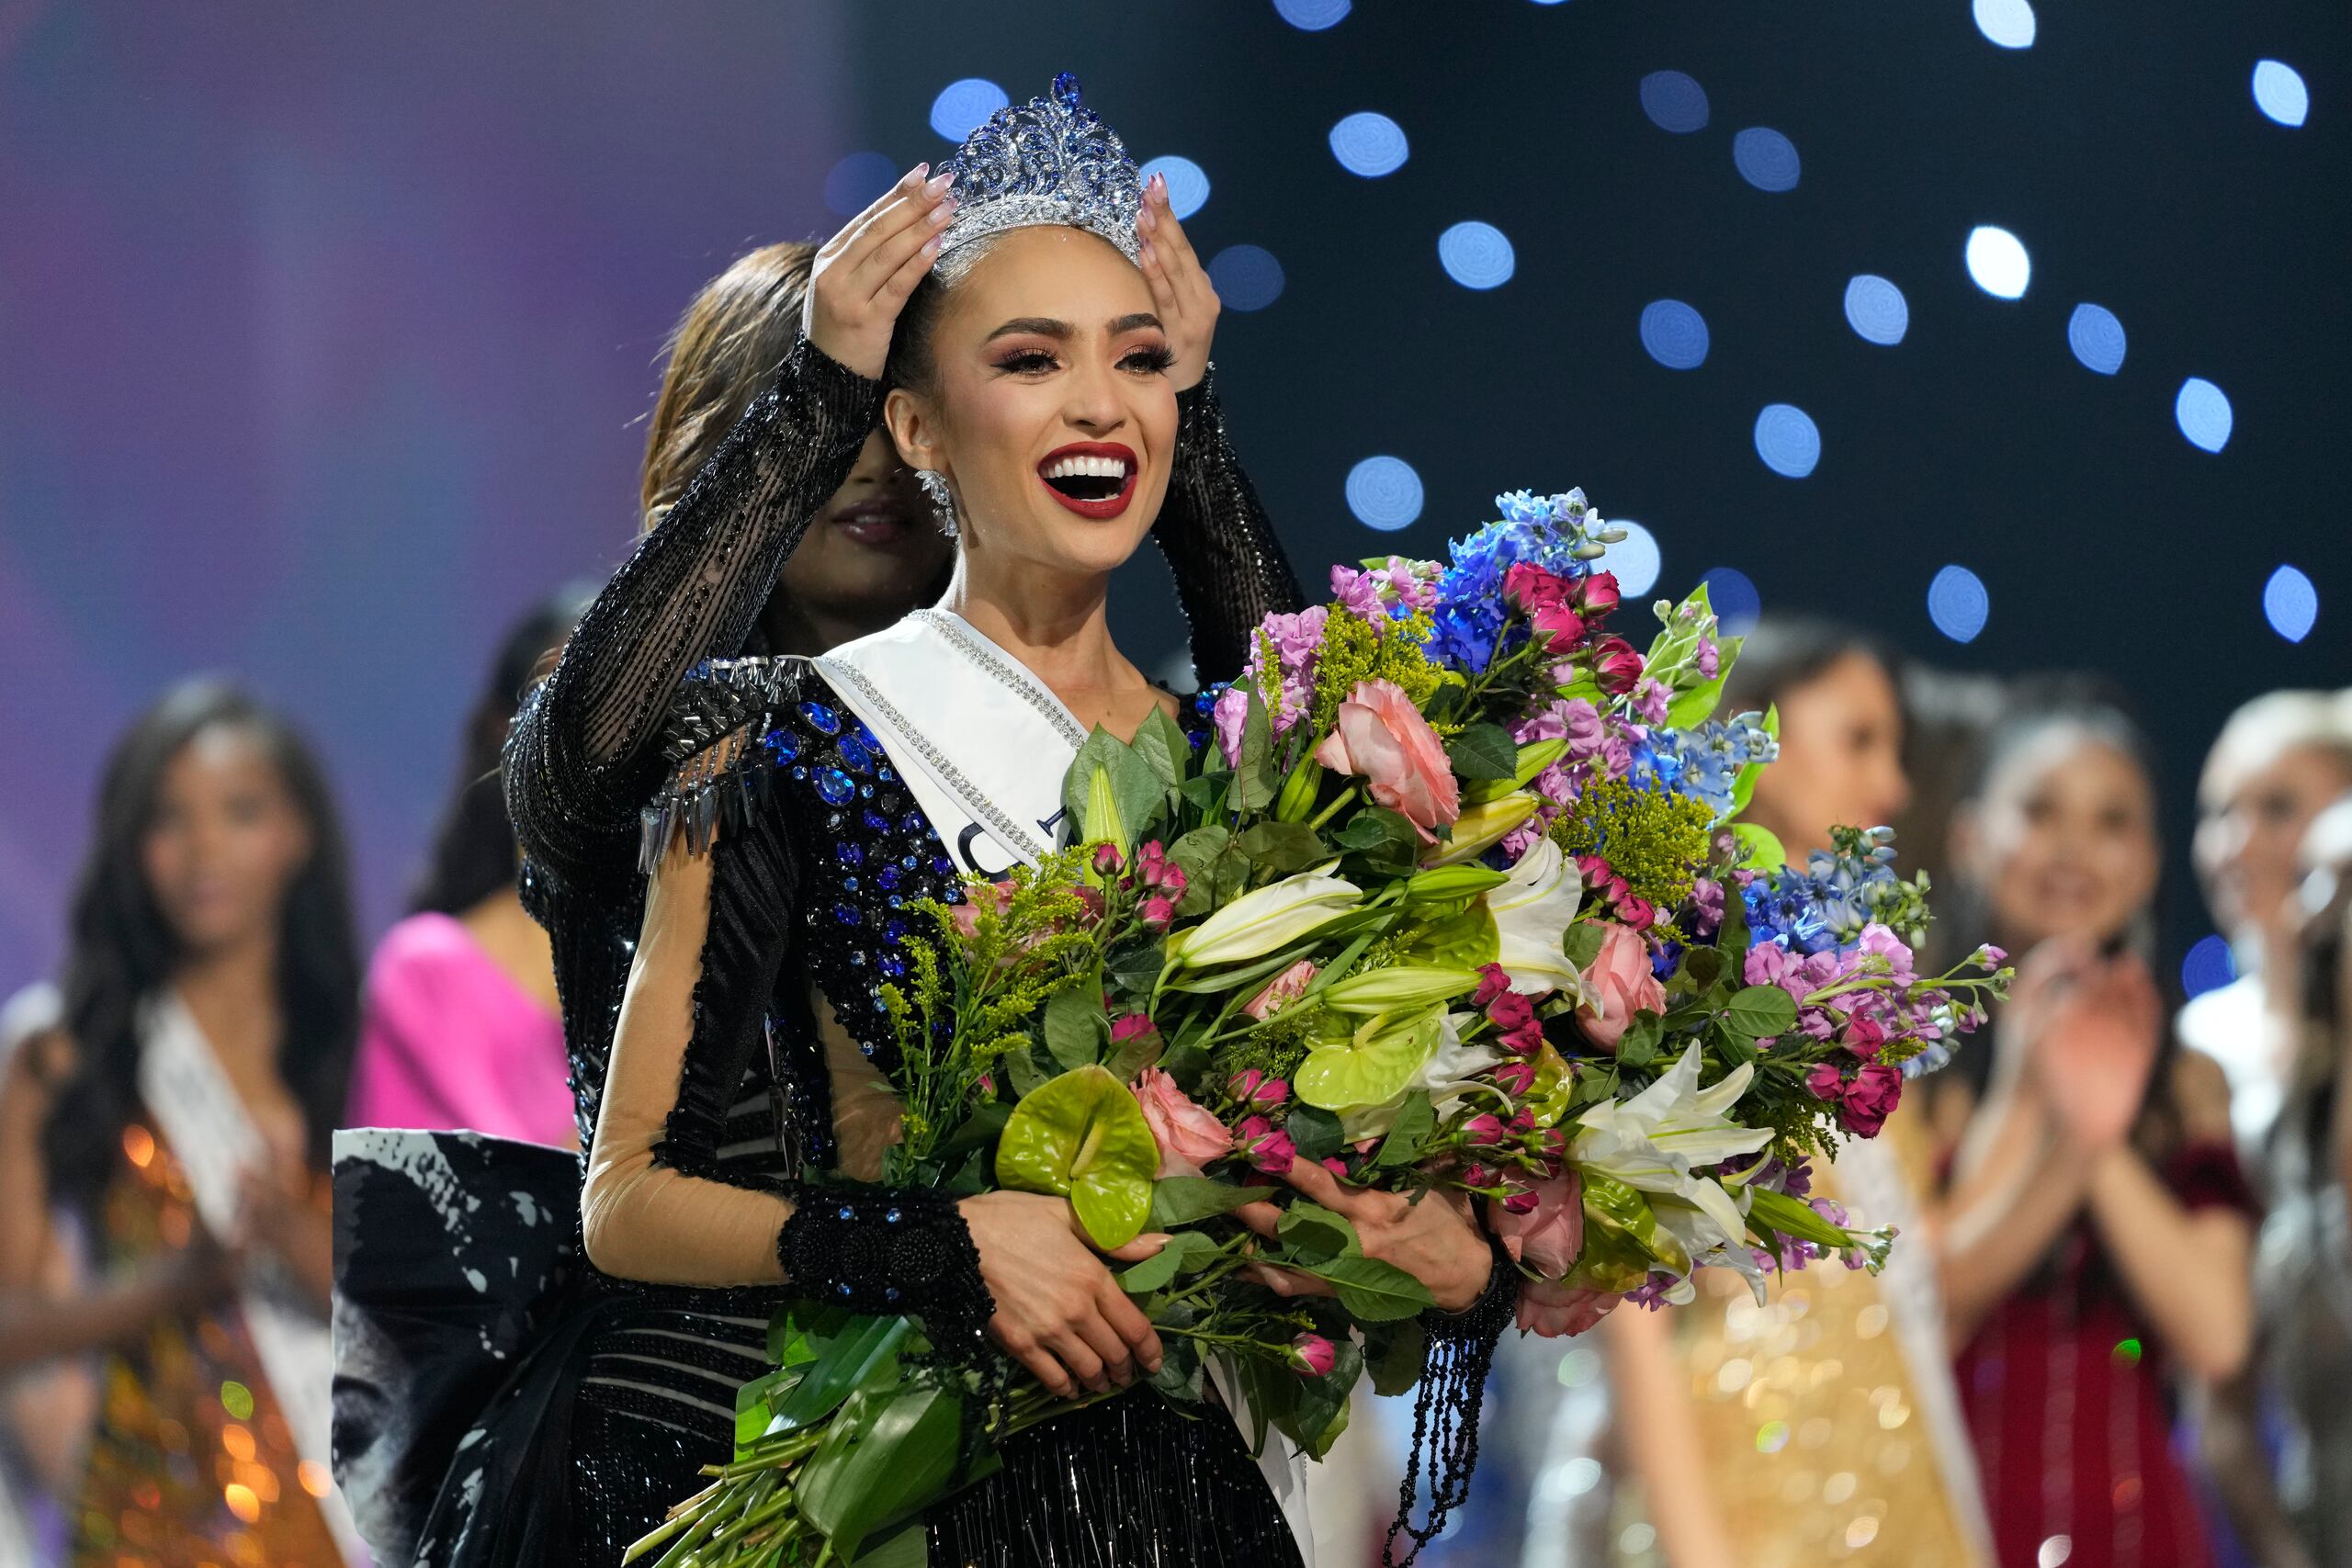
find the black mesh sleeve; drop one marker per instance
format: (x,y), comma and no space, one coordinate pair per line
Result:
(1231,571)
(579,763)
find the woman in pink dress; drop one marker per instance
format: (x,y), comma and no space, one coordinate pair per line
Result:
(462,1028)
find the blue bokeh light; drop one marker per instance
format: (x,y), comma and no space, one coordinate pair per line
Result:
(1476,255)
(2279,93)
(1674,102)
(1958,604)
(1313,15)
(1246,277)
(2009,22)
(2207,966)
(2290,604)
(1787,440)
(2202,412)
(2097,338)
(855,180)
(1384,493)
(1736,603)
(1998,261)
(962,106)
(1369,144)
(1765,158)
(1674,334)
(1634,560)
(1876,309)
(1188,183)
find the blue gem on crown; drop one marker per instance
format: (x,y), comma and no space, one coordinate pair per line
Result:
(1049,161)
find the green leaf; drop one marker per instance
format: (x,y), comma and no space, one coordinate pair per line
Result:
(798,1333)
(1135,1054)
(980,1130)
(1759,1012)
(1743,788)
(1731,937)
(906,1545)
(1160,742)
(1186,1252)
(1201,852)
(1083,1137)
(841,1364)
(1371,1290)
(1637,1047)
(1315,1234)
(1796,1217)
(1582,944)
(1282,848)
(1698,701)
(1178,1200)
(1028,1075)
(1384,838)
(1179,1376)
(1076,1025)
(1702,966)
(1314,1132)
(1416,1118)
(1759,847)
(1484,751)
(1254,784)
(1392,1354)
(1203,790)
(1133,968)
(1322,1410)
(892,1452)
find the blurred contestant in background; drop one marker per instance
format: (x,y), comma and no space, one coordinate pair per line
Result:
(1823,1424)
(460,1028)
(176,1125)
(2099,1233)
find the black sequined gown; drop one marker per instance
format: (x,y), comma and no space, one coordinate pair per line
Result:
(626,1389)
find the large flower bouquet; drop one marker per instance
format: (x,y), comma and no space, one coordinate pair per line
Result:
(1455,901)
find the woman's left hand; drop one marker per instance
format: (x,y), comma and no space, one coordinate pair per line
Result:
(1436,1240)
(1181,291)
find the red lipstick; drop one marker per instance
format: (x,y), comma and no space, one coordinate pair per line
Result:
(1087,462)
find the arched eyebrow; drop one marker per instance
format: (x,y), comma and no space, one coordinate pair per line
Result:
(1047,326)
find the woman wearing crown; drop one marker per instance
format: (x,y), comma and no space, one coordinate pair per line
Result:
(1019,325)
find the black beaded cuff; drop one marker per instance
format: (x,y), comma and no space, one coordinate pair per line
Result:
(1486,1317)
(888,1249)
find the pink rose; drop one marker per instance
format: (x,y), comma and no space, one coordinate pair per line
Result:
(1870,1098)
(1265,1145)
(1596,592)
(1107,860)
(1483,1129)
(992,897)
(1154,912)
(1615,665)
(1548,1238)
(1283,989)
(1514,1078)
(1380,736)
(1619,983)
(1188,1136)
(1555,1311)
(1312,1356)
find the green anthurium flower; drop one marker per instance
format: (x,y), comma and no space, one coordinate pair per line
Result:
(1082,1136)
(1373,1063)
(1464,941)
(1398,987)
(1480,828)
(1263,920)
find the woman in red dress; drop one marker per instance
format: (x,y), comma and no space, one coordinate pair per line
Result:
(2099,1237)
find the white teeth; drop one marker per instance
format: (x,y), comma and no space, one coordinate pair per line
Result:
(1073,468)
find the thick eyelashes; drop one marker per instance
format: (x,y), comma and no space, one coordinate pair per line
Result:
(1152,360)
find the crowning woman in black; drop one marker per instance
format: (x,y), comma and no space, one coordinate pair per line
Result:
(625,1389)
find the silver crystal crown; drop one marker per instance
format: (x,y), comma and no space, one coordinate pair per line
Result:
(1049,161)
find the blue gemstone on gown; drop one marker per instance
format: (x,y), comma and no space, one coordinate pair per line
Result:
(896,931)
(856,756)
(834,785)
(893,967)
(875,820)
(822,719)
(848,915)
(782,745)
(849,853)
(888,878)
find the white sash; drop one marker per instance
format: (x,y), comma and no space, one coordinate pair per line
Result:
(206,1125)
(984,746)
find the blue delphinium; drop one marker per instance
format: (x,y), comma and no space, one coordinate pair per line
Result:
(1703,761)
(1823,907)
(1561,534)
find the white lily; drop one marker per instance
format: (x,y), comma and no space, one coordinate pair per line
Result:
(1263,920)
(1662,1139)
(1531,914)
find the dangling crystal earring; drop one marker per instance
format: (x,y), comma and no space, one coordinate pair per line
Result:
(943,501)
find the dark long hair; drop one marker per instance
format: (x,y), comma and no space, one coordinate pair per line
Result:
(1787,651)
(473,852)
(121,950)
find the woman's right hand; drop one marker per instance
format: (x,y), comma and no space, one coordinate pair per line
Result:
(1058,1312)
(863,275)
(2097,1027)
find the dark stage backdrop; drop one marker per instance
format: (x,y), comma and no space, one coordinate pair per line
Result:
(323,334)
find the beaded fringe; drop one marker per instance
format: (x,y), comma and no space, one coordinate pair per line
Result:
(719,770)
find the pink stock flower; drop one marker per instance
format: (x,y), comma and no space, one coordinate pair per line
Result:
(1708,658)
(1265,1145)
(1619,982)
(1558,1311)
(1281,990)
(1380,736)
(1990,958)
(1547,1237)
(1652,698)
(1312,1356)
(1232,711)
(1188,1136)
(1358,592)
(1615,665)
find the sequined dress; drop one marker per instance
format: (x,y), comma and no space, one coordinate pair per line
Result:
(617,1392)
(191,1465)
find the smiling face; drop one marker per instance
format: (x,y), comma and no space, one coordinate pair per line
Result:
(225,842)
(1046,403)
(2063,839)
(1842,755)
(2255,811)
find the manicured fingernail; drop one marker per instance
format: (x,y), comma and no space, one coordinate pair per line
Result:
(915,174)
(942,212)
(939,183)
(931,246)
(1159,186)
(1149,252)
